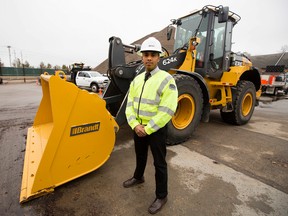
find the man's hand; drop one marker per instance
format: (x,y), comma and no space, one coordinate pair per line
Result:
(139,130)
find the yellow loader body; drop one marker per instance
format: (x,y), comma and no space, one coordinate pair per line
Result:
(73,134)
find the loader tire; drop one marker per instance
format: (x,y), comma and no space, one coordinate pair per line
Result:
(189,110)
(243,103)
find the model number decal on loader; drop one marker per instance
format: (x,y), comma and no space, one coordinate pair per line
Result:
(169,60)
(82,129)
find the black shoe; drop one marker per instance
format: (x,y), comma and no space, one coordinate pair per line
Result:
(157,205)
(132,181)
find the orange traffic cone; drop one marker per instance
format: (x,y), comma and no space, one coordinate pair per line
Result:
(100,92)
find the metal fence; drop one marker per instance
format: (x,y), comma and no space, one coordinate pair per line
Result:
(12,71)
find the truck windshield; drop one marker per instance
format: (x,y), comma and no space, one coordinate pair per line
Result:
(96,74)
(187,29)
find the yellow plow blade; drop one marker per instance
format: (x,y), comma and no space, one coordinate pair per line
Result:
(73,134)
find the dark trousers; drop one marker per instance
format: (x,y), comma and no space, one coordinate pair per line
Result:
(157,144)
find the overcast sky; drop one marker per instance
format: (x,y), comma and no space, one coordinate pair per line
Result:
(66,31)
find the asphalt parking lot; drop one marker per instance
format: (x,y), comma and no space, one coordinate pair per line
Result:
(221,170)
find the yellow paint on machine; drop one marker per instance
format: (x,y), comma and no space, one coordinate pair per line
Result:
(67,139)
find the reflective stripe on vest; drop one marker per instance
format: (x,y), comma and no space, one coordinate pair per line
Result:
(154,102)
(148,108)
(159,92)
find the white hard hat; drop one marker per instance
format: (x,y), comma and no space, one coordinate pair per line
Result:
(151,44)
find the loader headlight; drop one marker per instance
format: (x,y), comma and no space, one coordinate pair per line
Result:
(194,43)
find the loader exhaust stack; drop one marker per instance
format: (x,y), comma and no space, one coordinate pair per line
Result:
(67,139)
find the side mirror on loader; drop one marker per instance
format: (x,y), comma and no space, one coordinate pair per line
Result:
(170,27)
(223,14)
(169,32)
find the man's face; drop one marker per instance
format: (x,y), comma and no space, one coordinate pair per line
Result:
(150,60)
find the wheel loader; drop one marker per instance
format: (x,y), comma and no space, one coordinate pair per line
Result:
(74,130)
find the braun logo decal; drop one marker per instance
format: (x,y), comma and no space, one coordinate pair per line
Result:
(82,129)
(169,60)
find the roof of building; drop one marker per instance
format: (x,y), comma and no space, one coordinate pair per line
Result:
(161,36)
(262,61)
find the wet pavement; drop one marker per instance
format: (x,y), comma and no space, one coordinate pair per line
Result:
(221,170)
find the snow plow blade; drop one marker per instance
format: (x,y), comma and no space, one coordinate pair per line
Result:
(73,134)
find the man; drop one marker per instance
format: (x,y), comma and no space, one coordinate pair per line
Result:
(152,101)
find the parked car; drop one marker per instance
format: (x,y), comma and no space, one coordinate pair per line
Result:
(91,80)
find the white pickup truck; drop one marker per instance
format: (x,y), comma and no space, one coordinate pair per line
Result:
(91,80)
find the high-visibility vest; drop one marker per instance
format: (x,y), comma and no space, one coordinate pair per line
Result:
(153,102)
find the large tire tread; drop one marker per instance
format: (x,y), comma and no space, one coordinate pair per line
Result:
(186,85)
(235,117)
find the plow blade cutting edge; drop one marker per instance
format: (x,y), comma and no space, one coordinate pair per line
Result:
(72,134)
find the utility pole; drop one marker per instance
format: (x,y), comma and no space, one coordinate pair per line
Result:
(9,55)
(22,58)
(0,69)
(15,59)
(1,80)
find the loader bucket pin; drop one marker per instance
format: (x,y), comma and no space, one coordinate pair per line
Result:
(73,134)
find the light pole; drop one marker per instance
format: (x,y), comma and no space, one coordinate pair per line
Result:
(9,54)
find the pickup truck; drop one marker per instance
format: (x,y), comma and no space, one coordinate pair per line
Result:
(91,80)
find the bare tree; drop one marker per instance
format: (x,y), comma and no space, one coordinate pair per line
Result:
(49,66)
(26,64)
(284,48)
(64,67)
(42,65)
(17,63)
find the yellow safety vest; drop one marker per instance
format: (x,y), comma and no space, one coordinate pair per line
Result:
(151,103)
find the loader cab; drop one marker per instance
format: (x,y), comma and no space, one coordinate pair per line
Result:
(213,25)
